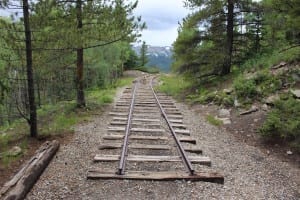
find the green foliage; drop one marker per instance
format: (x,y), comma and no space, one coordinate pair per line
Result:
(123,82)
(4,139)
(212,120)
(174,85)
(269,59)
(283,122)
(217,97)
(245,88)
(132,60)
(143,55)
(101,97)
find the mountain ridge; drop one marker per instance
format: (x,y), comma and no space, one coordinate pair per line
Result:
(159,56)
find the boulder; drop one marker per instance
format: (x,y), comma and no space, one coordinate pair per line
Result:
(15,151)
(296,93)
(236,103)
(295,77)
(228,91)
(224,113)
(271,99)
(225,120)
(249,76)
(265,107)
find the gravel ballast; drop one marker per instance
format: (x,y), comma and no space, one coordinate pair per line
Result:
(249,173)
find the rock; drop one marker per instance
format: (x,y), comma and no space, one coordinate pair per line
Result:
(289,153)
(236,103)
(228,91)
(296,93)
(224,113)
(250,75)
(265,107)
(268,152)
(225,120)
(254,107)
(15,151)
(271,99)
(255,120)
(296,77)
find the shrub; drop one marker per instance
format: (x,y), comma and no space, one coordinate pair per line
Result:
(174,85)
(283,122)
(245,88)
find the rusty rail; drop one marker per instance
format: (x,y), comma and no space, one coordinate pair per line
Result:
(121,168)
(184,157)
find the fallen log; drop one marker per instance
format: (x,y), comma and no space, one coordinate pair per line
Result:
(23,181)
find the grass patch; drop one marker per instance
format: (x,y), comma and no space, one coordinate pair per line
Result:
(123,82)
(214,121)
(174,85)
(57,119)
(271,58)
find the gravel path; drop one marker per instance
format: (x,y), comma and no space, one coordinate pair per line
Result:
(249,173)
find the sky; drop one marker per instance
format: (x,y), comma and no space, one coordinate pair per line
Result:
(161,17)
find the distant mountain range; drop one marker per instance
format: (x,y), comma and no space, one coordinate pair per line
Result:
(160,57)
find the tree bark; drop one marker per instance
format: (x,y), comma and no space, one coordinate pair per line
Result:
(229,38)
(79,78)
(29,68)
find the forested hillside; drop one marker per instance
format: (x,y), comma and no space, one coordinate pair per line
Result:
(242,54)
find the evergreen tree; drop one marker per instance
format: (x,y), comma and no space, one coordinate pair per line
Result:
(213,37)
(143,54)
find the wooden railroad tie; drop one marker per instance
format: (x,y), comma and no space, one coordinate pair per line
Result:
(157,176)
(137,137)
(147,146)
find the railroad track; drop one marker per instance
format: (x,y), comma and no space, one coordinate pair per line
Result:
(147,140)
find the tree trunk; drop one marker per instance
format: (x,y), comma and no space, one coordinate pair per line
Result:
(30,79)
(79,79)
(229,38)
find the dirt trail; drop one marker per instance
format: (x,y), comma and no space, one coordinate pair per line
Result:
(249,173)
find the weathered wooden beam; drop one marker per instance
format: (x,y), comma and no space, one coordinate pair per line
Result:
(135,146)
(156,176)
(146,130)
(23,181)
(137,137)
(146,158)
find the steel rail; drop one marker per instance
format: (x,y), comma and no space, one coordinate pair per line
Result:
(184,157)
(121,169)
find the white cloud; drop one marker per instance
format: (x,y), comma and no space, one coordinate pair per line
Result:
(164,37)
(161,17)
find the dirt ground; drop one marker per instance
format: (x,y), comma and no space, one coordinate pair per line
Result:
(245,129)
(253,169)
(7,171)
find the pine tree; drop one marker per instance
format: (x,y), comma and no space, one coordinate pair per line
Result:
(143,54)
